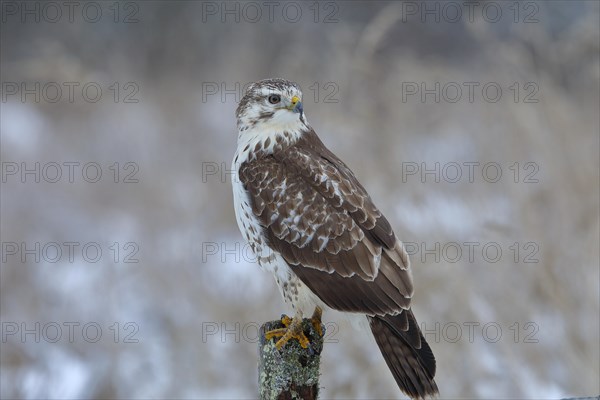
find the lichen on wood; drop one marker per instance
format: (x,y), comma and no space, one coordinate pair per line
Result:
(292,372)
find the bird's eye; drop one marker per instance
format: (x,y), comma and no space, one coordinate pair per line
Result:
(274,98)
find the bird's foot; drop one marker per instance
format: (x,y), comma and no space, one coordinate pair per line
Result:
(292,330)
(316,320)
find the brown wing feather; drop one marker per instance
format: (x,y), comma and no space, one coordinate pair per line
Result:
(323,222)
(406,353)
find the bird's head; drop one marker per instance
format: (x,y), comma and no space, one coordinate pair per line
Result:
(271,107)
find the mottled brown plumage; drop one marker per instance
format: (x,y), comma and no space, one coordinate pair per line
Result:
(327,237)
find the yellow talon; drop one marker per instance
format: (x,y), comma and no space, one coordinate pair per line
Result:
(286,321)
(316,320)
(292,330)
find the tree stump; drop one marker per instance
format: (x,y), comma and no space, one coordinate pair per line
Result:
(292,372)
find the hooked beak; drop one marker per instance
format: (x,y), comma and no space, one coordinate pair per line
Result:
(296,105)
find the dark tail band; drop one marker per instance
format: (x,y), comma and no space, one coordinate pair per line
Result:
(406,353)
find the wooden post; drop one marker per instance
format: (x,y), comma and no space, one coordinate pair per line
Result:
(292,372)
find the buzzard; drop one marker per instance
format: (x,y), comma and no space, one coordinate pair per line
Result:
(314,226)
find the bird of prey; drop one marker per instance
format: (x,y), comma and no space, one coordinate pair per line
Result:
(314,226)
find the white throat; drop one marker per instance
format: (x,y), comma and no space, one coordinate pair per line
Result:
(255,136)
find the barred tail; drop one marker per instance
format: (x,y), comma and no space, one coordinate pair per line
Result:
(406,353)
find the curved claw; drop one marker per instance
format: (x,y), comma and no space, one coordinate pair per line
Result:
(316,321)
(292,330)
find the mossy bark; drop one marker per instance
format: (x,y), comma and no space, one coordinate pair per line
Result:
(292,372)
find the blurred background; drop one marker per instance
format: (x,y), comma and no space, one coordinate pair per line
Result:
(474,126)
